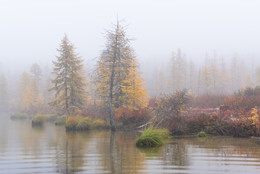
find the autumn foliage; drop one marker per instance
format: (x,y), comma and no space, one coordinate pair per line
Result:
(127,116)
(236,115)
(244,100)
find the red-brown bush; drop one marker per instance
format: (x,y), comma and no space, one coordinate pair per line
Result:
(207,101)
(136,117)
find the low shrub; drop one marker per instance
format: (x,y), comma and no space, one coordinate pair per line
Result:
(38,120)
(136,117)
(207,101)
(83,124)
(99,124)
(152,137)
(202,134)
(243,100)
(71,123)
(61,120)
(20,116)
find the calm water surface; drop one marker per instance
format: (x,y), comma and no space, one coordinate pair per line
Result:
(50,149)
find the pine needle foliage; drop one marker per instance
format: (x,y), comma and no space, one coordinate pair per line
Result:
(69,85)
(118,82)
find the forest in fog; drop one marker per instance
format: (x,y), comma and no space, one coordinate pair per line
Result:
(215,75)
(132,86)
(187,72)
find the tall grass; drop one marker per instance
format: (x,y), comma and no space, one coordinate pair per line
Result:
(79,123)
(152,137)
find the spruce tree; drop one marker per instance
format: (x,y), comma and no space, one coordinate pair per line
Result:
(68,84)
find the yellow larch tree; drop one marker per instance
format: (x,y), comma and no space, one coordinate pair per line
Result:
(135,94)
(4,97)
(115,73)
(206,79)
(25,92)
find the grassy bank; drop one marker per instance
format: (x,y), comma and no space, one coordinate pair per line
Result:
(84,123)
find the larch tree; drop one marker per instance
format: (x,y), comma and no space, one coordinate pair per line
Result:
(135,95)
(178,69)
(257,74)
(36,74)
(214,72)
(26,93)
(223,78)
(4,98)
(69,84)
(248,81)
(36,71)
(206,79)
(192,73)
(117,78)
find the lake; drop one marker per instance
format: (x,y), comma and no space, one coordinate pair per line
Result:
(50,149)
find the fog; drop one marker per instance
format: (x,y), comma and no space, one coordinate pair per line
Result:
(31,30)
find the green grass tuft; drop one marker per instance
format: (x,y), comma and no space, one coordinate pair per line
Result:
(202,134)
(152,137)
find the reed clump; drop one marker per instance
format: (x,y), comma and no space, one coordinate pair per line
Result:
(202,134)
(152,137)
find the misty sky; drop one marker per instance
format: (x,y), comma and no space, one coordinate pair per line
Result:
(31,30)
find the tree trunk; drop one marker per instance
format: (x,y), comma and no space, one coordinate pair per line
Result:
(111,86)
(111,113)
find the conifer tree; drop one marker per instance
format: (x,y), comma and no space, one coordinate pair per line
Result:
(3,93)
(178,73)
(135,95)
(206,79)
(69,85)
(26,93)
(257,74)
(36,71)
(117,78)
(223,78)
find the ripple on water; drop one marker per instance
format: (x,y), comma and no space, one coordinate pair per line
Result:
(50,149)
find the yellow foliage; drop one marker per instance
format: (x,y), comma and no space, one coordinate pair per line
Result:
(255,116)
(29,92)
(133,87)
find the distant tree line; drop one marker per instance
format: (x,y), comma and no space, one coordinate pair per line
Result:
(214,76)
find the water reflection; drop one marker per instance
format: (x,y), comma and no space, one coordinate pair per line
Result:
(50,149)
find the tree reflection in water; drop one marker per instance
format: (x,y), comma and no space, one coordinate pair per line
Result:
(50,149)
